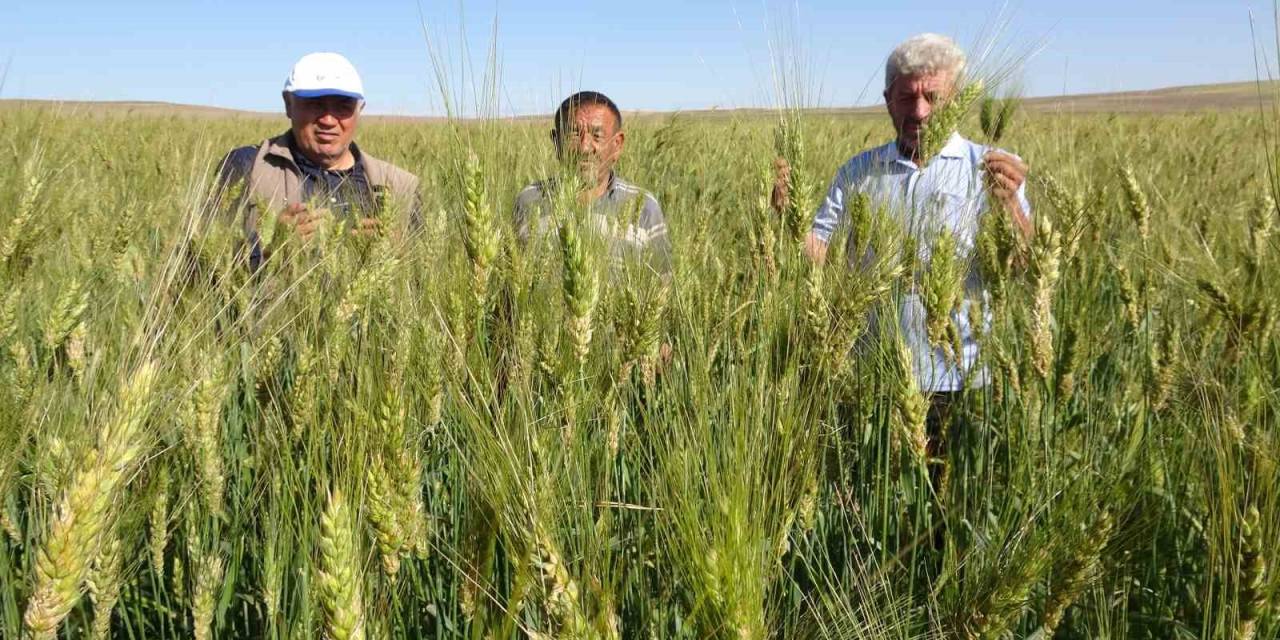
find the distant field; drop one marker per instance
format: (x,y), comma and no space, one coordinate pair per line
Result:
(1239,95)
(447,432)
(1230,96)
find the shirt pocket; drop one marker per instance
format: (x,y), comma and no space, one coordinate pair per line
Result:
(960,212)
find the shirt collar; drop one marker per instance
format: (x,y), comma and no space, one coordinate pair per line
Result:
(954,148)
(612,186)
(554,183)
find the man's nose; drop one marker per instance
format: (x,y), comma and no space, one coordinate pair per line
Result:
(584,144)
(328,118)
(922,110)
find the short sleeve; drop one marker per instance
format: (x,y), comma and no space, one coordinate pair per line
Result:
(831,210)
(523,210)
(658,244)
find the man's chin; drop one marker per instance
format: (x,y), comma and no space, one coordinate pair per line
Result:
(324,152)
(589,175)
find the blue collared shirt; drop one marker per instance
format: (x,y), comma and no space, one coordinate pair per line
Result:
(948,192)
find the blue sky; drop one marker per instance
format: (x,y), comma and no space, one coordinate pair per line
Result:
(650,54)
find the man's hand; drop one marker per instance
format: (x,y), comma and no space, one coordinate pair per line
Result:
(367,227)
(301,220)
(815,248)
(781,185)
(1005,175)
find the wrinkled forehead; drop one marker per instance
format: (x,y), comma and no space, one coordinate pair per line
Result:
(928,82)
(592,116)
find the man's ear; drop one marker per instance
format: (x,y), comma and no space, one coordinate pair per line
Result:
(622,140)
(555,140)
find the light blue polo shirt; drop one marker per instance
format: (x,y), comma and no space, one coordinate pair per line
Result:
(948,192)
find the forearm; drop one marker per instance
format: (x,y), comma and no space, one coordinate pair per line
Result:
(1021,221)
(815,248)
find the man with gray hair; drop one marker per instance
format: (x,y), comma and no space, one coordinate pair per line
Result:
(921,73)
(952,190)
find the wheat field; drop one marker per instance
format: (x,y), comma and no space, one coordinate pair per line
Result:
(442,433)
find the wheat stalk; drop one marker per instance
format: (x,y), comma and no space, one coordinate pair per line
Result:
(204,598)
(340,580)
(1069,360)
(85,509)
(1130,298)
(158,520)
(995,116)
(204,432)
(766,238)
(1138,205)
(9,314)
(801,189)
(1045,258)
(580,290)
(1078,570)
(945,121)
(388,527)
(1253,576)
(559,590)
(104,582)
(64,317)
(479,236)
(18,228)
(911,409)
(1164,363)
(942,290)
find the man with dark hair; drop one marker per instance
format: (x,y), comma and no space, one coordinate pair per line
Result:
(588,139)
(566,108)
(315,169)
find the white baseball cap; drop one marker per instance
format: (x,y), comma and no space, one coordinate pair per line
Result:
(324,74)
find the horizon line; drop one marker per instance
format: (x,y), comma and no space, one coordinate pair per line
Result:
(1037,100)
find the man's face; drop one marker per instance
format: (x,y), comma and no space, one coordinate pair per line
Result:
(590,143)
(323,127)
(911,100)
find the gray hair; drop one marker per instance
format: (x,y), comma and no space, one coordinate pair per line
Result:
(923,54)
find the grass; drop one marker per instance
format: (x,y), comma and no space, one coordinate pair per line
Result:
(445,434)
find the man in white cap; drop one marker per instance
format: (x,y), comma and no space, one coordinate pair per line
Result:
(315,169)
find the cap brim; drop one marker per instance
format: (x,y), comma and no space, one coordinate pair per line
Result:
(320,93)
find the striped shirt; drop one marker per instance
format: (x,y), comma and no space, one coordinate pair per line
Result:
(628,217)
(948,192)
